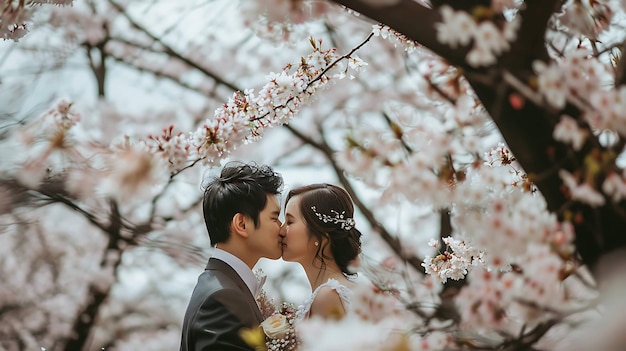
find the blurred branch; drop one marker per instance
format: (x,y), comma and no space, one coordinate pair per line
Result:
(165,75)
(98,64)
(193,254)
(169,50)
(158,72)
(52,190)
(84,322)
(525,341)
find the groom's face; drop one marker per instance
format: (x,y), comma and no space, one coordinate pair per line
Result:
(265,239)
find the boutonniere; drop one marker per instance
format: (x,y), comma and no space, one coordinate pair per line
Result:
(276,333)
(265,303)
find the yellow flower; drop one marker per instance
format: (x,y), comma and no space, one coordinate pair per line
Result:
(254,337)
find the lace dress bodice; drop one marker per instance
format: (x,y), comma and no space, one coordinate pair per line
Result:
(344,293)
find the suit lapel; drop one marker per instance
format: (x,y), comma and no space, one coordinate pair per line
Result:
(215,264)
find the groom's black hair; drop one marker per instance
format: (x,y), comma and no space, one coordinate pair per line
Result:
(240,188)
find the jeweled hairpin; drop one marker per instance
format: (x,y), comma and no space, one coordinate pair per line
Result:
(338,218)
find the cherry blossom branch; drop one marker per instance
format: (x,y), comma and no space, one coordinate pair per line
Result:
(184,210)
(337,60)
(321,75)
(245,117)
(193,163)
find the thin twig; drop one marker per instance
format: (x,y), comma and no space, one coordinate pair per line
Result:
(320,75)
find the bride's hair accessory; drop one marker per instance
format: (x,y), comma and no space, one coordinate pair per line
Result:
(337,218)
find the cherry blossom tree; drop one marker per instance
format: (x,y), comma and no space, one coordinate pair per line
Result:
(492,127)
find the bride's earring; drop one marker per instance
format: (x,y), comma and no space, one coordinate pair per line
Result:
(316,243)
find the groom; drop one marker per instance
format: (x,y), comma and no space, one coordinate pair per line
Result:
(241,214)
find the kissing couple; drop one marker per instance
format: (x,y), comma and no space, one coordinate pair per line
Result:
(241,212)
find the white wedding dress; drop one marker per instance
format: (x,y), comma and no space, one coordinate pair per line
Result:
(344,293)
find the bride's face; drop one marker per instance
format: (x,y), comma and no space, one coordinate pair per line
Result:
(298,245)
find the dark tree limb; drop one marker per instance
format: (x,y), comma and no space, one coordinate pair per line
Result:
(413,20)
(87,316)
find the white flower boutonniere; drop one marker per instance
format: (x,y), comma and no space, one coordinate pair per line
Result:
(276,326)
(276,333)
(279,329)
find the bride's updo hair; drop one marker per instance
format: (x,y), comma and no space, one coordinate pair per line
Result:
(328,212)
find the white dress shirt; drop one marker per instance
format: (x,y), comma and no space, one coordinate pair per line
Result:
(240,267)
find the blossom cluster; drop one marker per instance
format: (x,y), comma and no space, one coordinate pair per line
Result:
(454,262)
(79,25)
(580,79)
(15,15)
(588,18)
(395,37)
(501,299)
(424,135)
(581,191)
(276,19)
(573,78)
(266,304)
(489,40)
(174,148)
(48,141)
(569,132)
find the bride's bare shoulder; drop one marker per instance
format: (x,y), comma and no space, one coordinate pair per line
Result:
(327,304)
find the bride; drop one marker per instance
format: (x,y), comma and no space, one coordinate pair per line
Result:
(319,234)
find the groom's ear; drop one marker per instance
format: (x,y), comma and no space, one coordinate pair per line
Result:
(238,225)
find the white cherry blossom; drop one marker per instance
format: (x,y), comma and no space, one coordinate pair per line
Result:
(581,192)
(457,28)
(568,131)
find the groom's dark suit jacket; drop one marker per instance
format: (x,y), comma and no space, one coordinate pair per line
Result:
(221,304)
